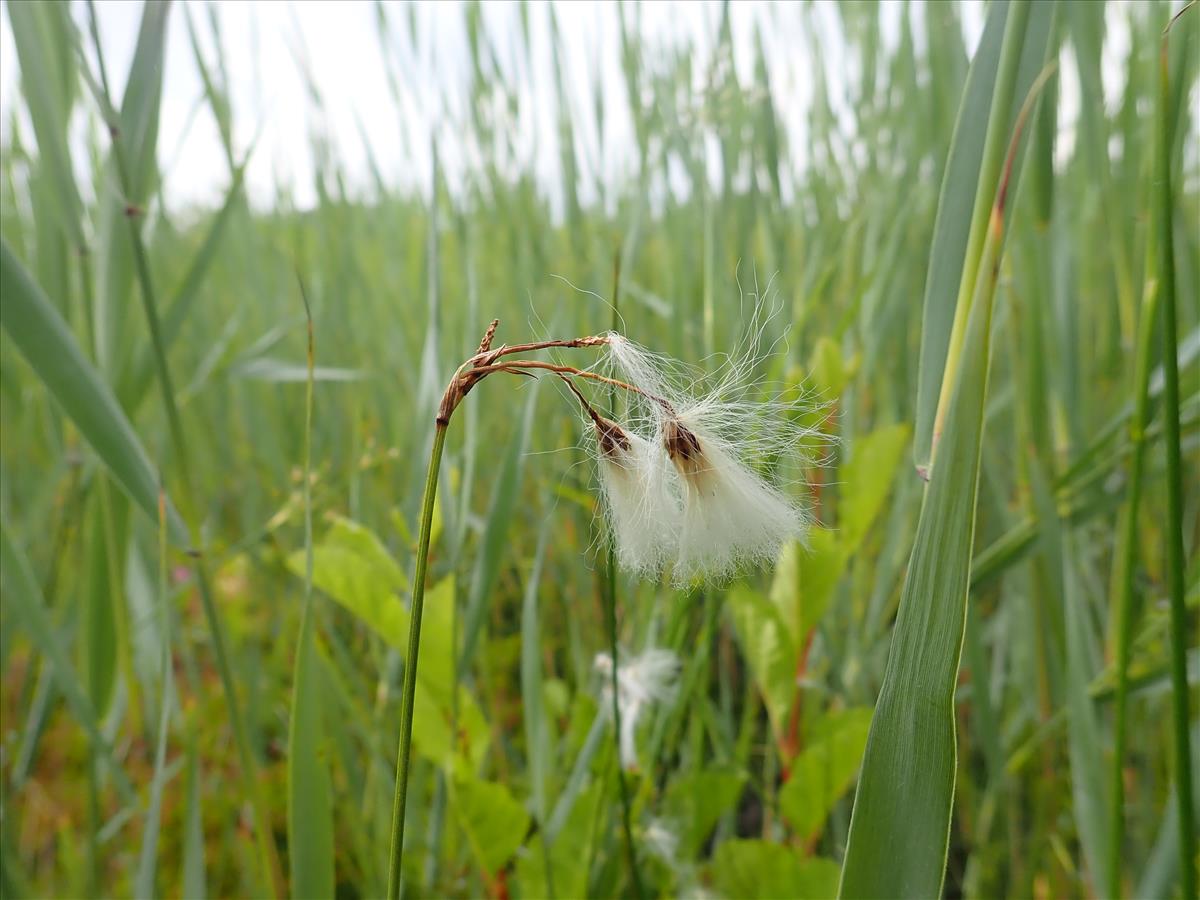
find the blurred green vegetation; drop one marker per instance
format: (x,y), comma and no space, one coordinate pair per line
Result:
(750,768)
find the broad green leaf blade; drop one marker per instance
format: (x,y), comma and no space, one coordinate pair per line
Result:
(900,827)
(494,823)
(758,870)
(768,649)
(353,567)
(960,212)
(956,204)
(804,581)
(867,480)
(47,343)
(825,769)
(696,801)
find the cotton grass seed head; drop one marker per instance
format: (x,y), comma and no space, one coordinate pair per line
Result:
(643,513)
(693,497)
(643,680)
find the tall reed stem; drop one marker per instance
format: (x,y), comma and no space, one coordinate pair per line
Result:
(410,660)
(1123,637)
(1174,525)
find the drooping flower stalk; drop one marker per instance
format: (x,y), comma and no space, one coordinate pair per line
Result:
(682,493)
(470,373)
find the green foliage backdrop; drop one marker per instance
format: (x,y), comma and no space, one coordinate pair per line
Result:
(200,684)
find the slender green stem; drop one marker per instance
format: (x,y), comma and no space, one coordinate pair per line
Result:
(1126,562)
(1174,523)
(410,661)
(305,652)
(610,601)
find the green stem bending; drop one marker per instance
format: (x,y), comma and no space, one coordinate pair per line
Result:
(1174,523)
(410,661)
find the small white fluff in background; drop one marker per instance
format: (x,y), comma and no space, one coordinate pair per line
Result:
(648,678)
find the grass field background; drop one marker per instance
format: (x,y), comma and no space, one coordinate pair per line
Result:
(163,710)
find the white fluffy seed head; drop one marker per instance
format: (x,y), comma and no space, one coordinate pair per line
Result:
(718,441)
(643,514)
(731,517)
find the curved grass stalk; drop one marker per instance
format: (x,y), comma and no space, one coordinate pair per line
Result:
(410,659)
(1125,567)
(475,369)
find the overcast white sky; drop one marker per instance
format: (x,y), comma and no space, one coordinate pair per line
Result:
(265,41)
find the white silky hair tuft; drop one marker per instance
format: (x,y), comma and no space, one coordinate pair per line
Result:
(650,677)
(731,517)
(643,513)
(729,514)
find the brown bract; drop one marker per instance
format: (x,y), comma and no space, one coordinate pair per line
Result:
(682,445)
(486,361)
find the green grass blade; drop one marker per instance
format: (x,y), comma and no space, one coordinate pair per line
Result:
(537,735)
(44,339)
(900,827)
(956,205)
(148,858)
(48,88)
(1124,572)
(989,105)
(310,800)
(100,627)
(899,830)
(1181,634)
(142,371)
(494,546)
(194,882)
(1084,745)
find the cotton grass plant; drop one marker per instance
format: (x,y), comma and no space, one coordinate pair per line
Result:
(684,496)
